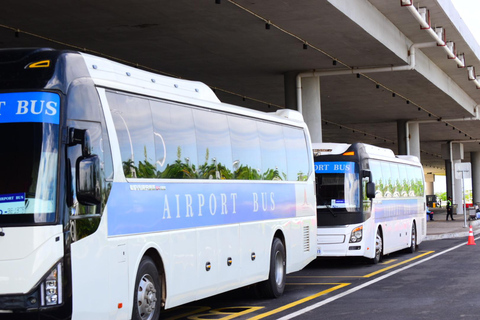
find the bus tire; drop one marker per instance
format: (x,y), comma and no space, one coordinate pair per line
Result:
(275,285)
(148,291)
(413,243)
(378,247)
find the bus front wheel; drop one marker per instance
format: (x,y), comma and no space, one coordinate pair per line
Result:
(378,247)
(147,295)
(275,285)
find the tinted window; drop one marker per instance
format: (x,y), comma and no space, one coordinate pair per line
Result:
(376,170)
(213,145)
(133,123)
(297,154)
(274,166)
(160,139)
(175,143)
(394,180)
(403,178)
(245,148)
(386,180)
(416,181)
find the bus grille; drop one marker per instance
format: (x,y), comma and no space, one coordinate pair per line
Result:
(306,238)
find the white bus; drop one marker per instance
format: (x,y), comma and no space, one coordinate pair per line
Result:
(124,192)
(369,201)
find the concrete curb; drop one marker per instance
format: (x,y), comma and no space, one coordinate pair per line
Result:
(451,235)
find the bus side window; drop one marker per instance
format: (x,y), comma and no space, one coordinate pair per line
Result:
(395,180)
(133,123)
(376,172)
(213,145)
(84,104)
(297,154)
(175,143)
(245,148)
(403,178)
(274,165)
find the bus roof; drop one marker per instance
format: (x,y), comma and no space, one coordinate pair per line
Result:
(118,76)
(367,151)
(103,70)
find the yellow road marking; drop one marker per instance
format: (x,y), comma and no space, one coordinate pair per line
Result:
(226,313)
(296,303)
(319,277)
(336,286)
(189,313)
(370,274)
(396,265)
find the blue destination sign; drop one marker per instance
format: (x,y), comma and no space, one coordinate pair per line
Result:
(12,203)
(335,167)
(12,197)
(139,208)
(30,107)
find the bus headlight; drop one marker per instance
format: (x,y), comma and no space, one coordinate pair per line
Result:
(51,288)
(357,235)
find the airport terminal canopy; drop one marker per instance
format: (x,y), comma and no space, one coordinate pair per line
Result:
(381,63)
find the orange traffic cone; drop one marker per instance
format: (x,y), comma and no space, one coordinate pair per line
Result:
(471,240)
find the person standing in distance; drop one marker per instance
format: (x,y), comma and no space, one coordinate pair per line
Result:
(449,208)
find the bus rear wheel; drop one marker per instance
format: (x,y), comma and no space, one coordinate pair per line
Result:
(413,243)
(147,295)
(275,285)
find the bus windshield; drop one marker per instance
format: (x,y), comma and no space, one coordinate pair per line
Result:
(29,158)
(337,186)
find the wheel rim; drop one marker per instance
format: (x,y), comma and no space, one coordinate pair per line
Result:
(414,236)
(146,297)
(378,245)
(279,268)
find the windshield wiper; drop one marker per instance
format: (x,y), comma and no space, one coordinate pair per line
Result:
(331,211)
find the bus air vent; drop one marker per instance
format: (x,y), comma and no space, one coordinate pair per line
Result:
(306,238)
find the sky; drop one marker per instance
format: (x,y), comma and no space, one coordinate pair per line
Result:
(440,184)
(469,10)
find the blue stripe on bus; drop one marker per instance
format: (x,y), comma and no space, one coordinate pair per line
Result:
(150,207)
(30,107)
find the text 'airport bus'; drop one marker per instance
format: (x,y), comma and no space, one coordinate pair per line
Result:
(124,192)
(369,201)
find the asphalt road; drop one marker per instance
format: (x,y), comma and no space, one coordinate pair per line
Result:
(439,281)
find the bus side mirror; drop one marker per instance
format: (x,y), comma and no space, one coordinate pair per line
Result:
(370,190)
(367,174)
(88,180)
(82,137)
(87,169)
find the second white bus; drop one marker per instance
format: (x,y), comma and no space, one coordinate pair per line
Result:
(369,201)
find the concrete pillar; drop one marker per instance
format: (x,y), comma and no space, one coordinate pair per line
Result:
(429,181)
(448,176)
(311,107)
(453,154)
(289,81)
(414,140)
(402,137)
(429,188)
(458,190)
(475,160)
